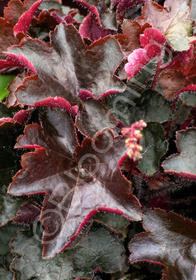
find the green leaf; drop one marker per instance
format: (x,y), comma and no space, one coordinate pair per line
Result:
(4,82)
(100,248)
(30,265)
(183,163)
(46,5)
(132,106)
(180,29)
(6,233)
(8,204)
(111,220)
(188,97)
(144,79)
(5,274)
(154,146)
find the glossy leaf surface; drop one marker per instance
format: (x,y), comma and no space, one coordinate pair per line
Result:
(77,186)
(69,66)
(184,162)
(170,241)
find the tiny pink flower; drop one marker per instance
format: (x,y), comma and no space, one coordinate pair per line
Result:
(133,136)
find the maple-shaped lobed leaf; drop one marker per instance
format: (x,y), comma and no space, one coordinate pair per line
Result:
(170,241)
(68,66)
(171,20)
(183,163)
(77,184)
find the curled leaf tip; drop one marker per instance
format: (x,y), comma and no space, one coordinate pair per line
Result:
(133,136)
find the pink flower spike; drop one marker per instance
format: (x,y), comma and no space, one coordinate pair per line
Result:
(133,136)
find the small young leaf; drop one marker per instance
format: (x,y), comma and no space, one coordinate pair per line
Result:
(125,6)
(183,163)
(170,241)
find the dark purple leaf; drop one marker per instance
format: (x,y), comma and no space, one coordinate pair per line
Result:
(179,73)
(93,117)
(27,213)
(92,28)
(170,241)
(6,39)
(183,163)
(69,66)
(78,186)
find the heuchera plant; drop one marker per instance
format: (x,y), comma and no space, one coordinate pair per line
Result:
(98,140)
